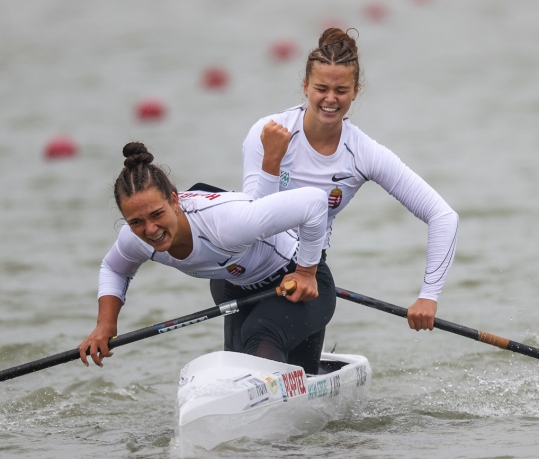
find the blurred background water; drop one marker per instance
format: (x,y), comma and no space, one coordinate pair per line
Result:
(451,87)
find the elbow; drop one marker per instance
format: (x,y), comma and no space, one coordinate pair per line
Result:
(320,197)
(452,221)
(455,217)
(319,194)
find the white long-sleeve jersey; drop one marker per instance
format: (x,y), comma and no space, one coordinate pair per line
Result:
(358,159)
(234,237)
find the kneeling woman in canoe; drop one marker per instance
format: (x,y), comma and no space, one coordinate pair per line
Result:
(220,235)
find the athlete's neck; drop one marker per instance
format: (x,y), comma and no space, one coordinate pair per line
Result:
(323,138)
(182,245)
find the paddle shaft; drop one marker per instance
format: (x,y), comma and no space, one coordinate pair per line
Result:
(445,325)
(222,309)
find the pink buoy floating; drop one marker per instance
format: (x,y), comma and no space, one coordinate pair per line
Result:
(61,147)
(283,50)
(376,12)
(150,110)
(215,78)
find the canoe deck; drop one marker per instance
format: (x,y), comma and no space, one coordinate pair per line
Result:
(224,396)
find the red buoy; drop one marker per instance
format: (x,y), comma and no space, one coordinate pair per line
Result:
(215,78)
(60,147)
(283,50)
(376,12)
(333,22)
(150,110)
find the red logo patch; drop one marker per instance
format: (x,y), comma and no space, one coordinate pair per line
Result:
(335,198)
(235,270)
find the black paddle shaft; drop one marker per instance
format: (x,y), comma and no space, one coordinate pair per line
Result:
(226,308)
(445,325)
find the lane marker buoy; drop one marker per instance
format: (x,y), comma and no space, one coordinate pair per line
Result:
(60,146)
(150,110)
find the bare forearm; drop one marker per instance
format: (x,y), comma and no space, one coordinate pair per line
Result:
(107,327)
(271,166)
(109,310)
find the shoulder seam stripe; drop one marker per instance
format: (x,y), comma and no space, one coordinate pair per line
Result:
(215,205)
(355,167)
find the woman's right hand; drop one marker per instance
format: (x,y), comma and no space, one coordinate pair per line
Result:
(106,328)
(306,284)
(275,138)
(98,344)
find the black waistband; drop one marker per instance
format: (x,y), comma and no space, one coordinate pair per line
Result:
(272,278)
(278,275)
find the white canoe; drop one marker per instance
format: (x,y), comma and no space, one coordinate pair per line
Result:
(224,396)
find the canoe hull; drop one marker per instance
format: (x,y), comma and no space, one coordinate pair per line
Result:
(224,396)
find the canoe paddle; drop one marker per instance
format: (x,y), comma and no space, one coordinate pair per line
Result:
(477,335)
(223,309)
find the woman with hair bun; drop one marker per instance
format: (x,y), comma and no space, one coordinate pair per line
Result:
(217,235)
(315,144)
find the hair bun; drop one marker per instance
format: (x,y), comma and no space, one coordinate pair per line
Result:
(135,154)
(331,36)
(338,39)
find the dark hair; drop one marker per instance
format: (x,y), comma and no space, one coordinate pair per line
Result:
(335,47)
(140,174)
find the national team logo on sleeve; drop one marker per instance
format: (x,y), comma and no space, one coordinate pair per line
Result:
(284,179)
(335,198)
(235,270)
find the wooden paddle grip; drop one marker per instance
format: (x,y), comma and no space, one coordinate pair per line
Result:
(489,338)
(289,287)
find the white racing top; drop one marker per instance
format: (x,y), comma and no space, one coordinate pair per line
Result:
(234,238)
(358,159)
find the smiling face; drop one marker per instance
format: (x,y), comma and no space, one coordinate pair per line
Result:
(153,218)
(330,89)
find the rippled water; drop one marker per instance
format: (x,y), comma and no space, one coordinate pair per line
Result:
(450,86)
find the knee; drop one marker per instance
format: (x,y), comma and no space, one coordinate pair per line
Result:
(257,333)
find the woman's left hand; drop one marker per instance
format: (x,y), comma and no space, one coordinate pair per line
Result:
(306,285)
(421,314)
(275,139)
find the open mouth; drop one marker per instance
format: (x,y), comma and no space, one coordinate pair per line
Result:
(158,238)
(329,109)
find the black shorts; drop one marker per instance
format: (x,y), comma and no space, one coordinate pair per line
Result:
(276,328)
